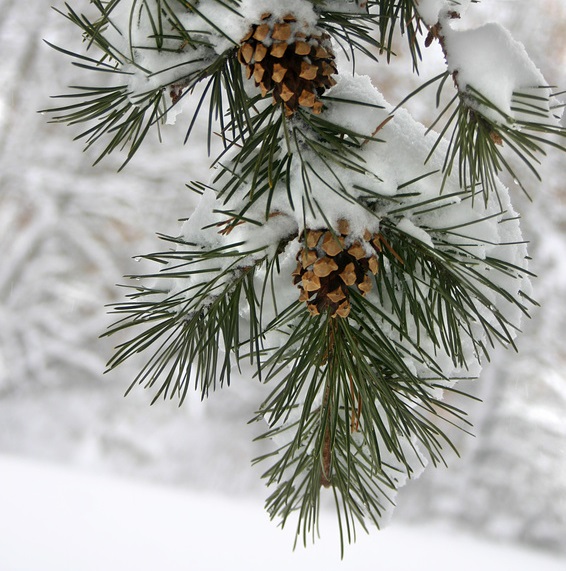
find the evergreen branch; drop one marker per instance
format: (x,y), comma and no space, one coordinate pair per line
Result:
(477,141)
(262,164)
(185,337)
(330,368)
(399,15)
(445,290)
(480,128)
(343,387)
(93,32)
(186,327)
(356,384)
(125,116)
(353,32)
(478,132)
(114,114)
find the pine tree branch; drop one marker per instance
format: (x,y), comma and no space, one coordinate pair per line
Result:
(359,285)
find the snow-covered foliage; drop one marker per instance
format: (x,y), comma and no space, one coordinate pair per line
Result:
(417,227)
(396,167)
(433,11)
(451,276)
(488,60)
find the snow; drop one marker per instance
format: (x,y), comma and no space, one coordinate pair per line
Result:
(407,227)
(54,519)
(354,91)
(490,61)
(430,11)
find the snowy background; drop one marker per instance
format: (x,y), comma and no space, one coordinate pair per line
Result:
(68,232)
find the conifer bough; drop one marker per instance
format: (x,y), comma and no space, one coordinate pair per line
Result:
(356,262)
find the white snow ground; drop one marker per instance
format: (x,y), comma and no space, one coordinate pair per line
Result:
(55,519)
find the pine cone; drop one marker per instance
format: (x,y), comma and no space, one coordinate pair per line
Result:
(297,68)
(330,263)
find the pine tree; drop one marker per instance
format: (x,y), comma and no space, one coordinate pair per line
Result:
(356,262)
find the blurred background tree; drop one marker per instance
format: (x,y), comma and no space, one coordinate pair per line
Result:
(67,231)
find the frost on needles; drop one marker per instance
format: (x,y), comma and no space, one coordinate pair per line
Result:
(354,261)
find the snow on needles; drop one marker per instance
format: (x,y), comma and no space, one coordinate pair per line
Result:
(488,60)
(384,175)
(394,159)
(431,10)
